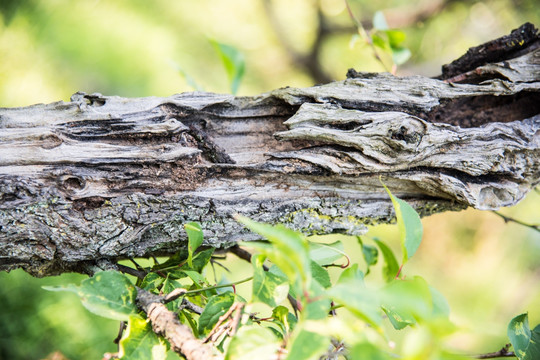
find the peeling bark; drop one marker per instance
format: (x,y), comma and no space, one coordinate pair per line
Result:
(102,178)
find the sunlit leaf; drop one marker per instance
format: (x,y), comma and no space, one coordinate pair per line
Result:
(320,274)
(440,304)
(395,37)
(362,302)
(391,266)
(379,41)
(284,319)
(233,61)
(253,342)
(268,287)
(326,254)
(352,273)
(410,226)
(365,350)
(318,304)
(216,307)
(108,293)
(289,250)
(406,301)
(307,345)
(195,239)
(140,342)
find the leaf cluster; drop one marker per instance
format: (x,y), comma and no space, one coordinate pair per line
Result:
(319,303)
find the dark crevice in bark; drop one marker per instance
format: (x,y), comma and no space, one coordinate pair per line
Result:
(476,111)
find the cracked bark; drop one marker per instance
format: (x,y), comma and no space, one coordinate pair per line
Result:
(102,178)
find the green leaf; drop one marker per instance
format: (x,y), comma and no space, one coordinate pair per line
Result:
(307,345)
(352,273)
(189,80)
(379,21)
(360,301)
(410,226)
(320,274)
(367,350)
(186,317)
(406,301)
(326,254)
(253,342)
(201,259)
(195,239)
(152,281)
(520,335)
(233,61)
(533,351)
(108,294)
(371,255)
(400,55)
(284,319)
(440,304)
(391,266)
(395,37)
(289,251)
(268,287)
(140,342)
(379,42)
(198,280)
(216,307)
(173,261)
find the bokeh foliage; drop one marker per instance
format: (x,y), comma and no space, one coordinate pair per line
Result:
(488,270)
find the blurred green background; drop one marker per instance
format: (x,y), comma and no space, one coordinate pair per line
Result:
(488,270)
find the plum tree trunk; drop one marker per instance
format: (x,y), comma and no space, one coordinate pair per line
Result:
(102,178)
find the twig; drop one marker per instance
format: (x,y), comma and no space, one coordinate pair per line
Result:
(186,304)
(219,286)
(120,332)
(134,272)
(497,354)
(173,295)
(509,219)
(166,324)
(365,36)
(218,329)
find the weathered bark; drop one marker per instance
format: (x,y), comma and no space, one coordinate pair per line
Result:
(103,177)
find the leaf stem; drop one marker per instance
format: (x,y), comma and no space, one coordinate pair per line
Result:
(218,286)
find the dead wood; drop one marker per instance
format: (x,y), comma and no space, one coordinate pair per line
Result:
(102,178)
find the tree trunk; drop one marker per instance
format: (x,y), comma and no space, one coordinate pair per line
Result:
(102,178)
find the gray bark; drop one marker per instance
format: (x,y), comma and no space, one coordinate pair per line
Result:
(102,178)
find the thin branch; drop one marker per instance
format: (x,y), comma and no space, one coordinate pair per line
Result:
(218,286)
(218,329)
(508,219)
(120,332)
(186,304)
(131,271)
(166,324)
(497,354)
